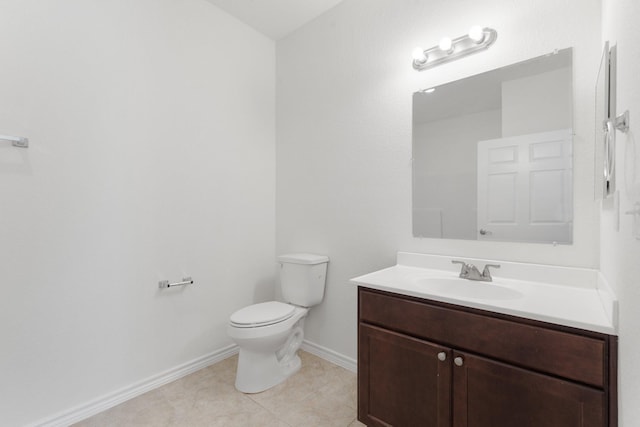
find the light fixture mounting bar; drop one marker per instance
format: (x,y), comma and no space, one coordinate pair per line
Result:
(460,47)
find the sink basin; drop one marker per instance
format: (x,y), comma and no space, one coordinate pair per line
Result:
(463,288)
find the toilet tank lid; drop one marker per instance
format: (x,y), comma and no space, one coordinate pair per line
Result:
(303,258)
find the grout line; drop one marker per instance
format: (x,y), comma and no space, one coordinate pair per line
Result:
(270,411)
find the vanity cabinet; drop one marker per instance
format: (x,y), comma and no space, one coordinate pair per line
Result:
(425,363)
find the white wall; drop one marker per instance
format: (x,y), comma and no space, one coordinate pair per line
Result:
(152,157)
(344,92)
(620,251)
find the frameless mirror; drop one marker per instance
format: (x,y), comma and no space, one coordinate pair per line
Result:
(492,154)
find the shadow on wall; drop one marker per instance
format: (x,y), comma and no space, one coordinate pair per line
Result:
(264,290)
(14,161)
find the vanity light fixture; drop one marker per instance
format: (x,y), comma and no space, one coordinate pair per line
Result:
(419,56)
(446,45)
(476,34)
(447,50)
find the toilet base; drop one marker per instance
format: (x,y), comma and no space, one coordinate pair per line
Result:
(268,354)
(258,372)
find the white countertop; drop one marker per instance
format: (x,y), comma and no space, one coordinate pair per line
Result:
(573,297)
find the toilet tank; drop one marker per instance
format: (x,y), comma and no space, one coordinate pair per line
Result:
(302,278)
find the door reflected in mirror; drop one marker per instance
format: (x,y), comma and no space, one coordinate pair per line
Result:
(492,155)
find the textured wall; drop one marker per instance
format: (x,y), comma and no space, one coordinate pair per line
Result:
(620,251)
(344,90)
(152,157)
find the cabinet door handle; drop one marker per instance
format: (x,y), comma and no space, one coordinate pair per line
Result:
(442,356)
(459,361)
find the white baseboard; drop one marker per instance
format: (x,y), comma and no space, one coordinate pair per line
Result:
(84,411)
(110,400)
(330,355)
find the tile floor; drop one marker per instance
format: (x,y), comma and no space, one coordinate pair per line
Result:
(320,394)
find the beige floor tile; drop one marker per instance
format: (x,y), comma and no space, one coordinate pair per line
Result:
(149,409)
(314,374)
(318,410)
(343,384)
(224,371)
(320,394)
(261,418)
(222,405)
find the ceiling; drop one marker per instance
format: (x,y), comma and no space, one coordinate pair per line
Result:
(275,18)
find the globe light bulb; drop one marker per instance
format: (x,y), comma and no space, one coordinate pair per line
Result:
(446,45)
(476,33)
(419,56)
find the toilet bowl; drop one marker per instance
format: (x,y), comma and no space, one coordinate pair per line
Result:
(269,335)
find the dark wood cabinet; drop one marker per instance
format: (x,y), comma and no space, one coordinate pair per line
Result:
(411,384)
(488,393)
(424,363)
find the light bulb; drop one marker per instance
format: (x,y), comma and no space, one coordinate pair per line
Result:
(419,56)
(446,45)
(476,33)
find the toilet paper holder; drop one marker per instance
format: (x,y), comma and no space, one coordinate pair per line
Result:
(16,141)
(163,284)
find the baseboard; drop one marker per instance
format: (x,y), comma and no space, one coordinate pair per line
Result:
(110,400)
(330,355)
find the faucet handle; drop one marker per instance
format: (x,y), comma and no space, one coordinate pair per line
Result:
(486,273)
(464,271)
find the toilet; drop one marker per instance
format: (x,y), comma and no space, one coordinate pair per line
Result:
(269,334)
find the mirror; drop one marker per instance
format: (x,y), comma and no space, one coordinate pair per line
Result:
(492,154)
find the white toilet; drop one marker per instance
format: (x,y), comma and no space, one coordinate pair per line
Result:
(270,333)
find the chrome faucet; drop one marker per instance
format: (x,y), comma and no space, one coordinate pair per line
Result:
(471,272)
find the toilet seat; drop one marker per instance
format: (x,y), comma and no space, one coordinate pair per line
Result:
(262,314)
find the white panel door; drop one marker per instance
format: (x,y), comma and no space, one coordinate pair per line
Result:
(525,188)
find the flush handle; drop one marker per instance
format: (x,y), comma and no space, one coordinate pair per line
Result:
(442,356)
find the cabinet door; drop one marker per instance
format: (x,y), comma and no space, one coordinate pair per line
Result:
(491,394)
(402,381)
